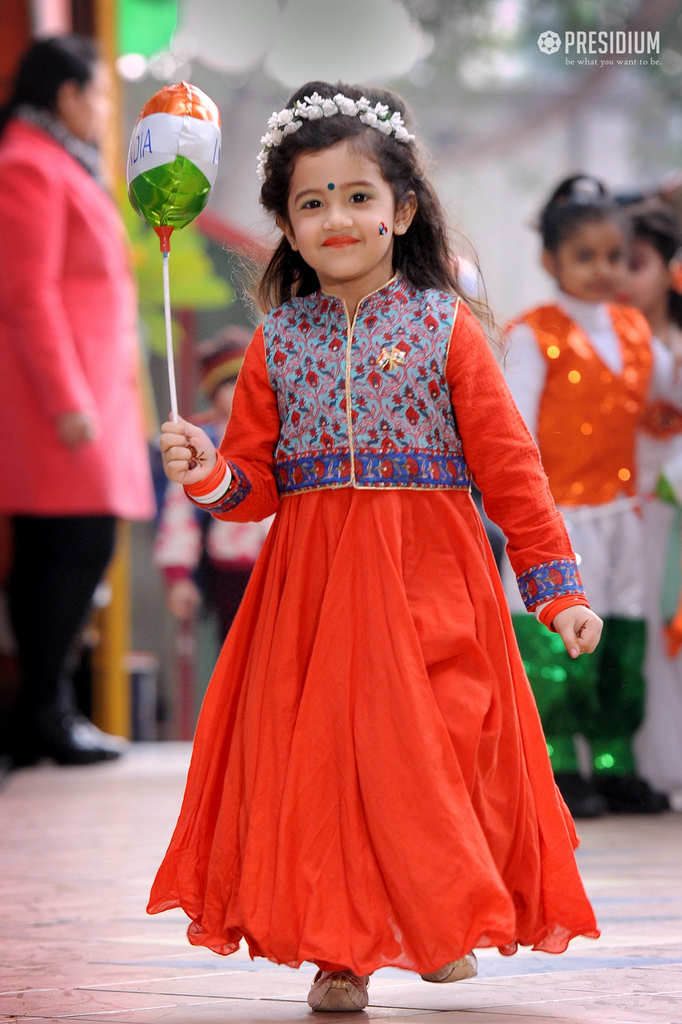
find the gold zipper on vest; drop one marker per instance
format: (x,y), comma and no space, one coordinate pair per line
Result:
(349,410)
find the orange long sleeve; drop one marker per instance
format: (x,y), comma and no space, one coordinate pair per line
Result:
(501,453)
(249,442)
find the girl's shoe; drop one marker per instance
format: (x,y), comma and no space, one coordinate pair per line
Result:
(338,992)
(456,970)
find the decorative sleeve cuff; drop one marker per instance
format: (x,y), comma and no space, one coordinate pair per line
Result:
(223,489)
(547,613)
(548,581)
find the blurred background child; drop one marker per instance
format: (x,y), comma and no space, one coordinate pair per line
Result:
(653,286)
(580,370)
(205,559)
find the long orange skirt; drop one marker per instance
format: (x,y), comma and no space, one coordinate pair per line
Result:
(370,784)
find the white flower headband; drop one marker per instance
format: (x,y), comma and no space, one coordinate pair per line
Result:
(315,107)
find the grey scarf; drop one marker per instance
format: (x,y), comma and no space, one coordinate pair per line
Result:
(87,155)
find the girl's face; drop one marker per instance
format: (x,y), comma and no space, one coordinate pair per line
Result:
(647,278)
(342,217)
(591,263)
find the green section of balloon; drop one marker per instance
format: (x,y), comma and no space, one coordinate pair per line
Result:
(172,194)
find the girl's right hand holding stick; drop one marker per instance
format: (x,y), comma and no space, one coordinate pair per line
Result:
(188,453)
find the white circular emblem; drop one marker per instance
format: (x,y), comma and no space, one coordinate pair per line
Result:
(549,42)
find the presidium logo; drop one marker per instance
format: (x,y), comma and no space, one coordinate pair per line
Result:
(629,46)
(549,42)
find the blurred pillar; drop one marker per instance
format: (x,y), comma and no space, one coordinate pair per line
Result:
(111,688)
(104,20)
(15,35)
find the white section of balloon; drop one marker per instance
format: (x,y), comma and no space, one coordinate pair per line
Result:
(158,138)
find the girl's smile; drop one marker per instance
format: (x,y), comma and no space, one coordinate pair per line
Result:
(340,241)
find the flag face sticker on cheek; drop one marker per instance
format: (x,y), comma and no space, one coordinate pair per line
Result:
(173,156)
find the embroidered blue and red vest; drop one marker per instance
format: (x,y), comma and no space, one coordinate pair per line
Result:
(365,404)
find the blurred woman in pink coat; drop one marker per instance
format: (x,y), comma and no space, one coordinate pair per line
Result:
(70,412)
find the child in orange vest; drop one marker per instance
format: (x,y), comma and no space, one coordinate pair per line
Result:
(580,370)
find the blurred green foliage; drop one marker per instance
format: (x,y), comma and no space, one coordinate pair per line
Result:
(146,26)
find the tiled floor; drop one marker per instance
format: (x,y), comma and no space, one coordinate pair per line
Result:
(78,850)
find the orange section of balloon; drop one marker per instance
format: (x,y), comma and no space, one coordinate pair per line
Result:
(182,99)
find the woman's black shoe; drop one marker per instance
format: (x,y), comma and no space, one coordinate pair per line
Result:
(73,739)
(580,796)
(628,794)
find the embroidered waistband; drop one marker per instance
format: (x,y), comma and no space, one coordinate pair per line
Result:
(372,469)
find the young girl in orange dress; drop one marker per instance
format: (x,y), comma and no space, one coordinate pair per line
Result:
(370,784)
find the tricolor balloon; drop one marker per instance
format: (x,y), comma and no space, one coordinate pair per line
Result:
(171,169)
(173,156)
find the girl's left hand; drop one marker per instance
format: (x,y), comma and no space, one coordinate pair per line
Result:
(579,628)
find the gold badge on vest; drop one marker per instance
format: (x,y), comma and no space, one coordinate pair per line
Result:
(390,358)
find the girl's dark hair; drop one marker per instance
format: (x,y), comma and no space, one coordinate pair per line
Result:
(578,200)
(422,254)
(45,67)
(655,222)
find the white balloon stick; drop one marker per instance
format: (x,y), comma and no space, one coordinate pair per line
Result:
(169,340)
